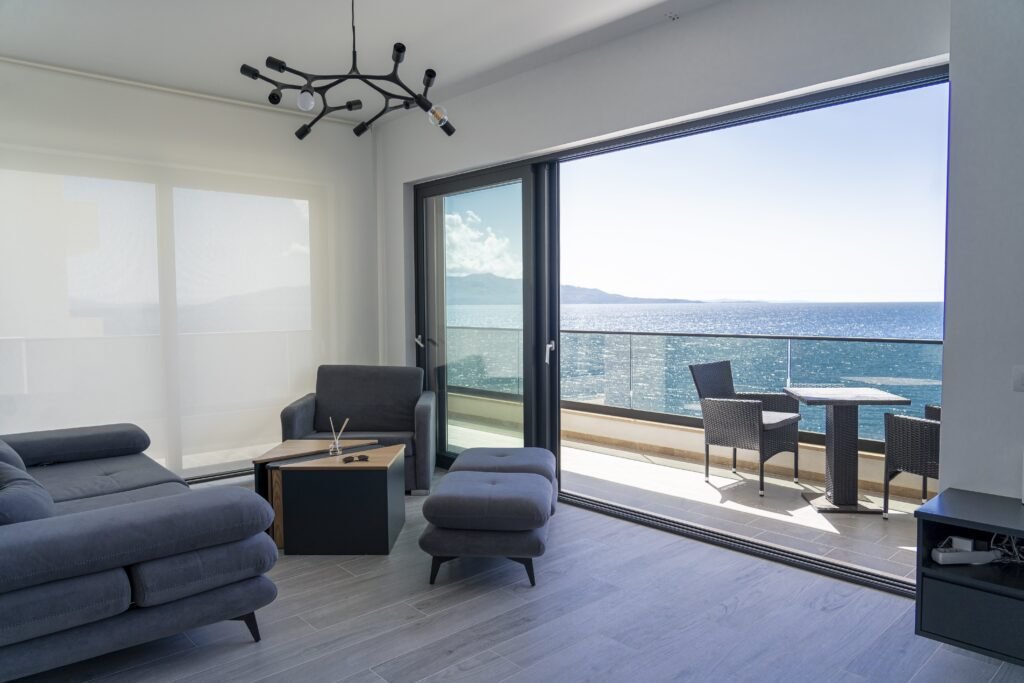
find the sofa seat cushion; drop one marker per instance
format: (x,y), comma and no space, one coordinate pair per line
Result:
(88,478)
(440,542)
(22,498)
(10,456)
(490,501)
(774,420)
(74,505)
(171,578)
(533,460)
(60,605)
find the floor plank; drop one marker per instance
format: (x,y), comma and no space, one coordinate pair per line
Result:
(614,601)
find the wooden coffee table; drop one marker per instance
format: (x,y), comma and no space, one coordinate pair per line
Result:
(325,506)
(297,448)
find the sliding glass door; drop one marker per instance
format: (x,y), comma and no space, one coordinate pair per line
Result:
(479,262)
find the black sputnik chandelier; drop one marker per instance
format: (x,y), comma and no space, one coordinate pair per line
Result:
(397,95)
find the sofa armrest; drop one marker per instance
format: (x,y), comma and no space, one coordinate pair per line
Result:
(78,443)
(44,550)
(297,418)
(426,441)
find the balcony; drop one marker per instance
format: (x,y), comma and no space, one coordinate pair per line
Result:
(632,435)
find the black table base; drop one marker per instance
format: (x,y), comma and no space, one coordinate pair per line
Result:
(823,505)
(343,512)
(841,457)
(841,464)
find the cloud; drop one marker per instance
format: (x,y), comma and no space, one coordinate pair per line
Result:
(470,250)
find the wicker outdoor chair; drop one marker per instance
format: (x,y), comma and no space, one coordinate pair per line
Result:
(762,422)
(911,445)
(933,412)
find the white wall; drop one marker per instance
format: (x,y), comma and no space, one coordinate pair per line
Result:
(46,113)
(982,419)
(733,52)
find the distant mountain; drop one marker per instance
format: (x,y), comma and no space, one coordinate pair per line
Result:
(572,294)
(484,288)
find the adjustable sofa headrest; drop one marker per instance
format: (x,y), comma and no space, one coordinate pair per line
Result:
(78,443)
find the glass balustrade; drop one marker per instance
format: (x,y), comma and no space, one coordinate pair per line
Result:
(649,372)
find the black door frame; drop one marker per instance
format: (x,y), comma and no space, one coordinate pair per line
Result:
(540,297)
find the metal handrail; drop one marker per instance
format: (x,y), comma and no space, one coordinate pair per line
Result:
(725,335)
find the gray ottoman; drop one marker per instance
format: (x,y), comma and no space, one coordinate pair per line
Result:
(532,460)
(499,510)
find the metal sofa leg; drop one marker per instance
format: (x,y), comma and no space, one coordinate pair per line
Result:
(435,565)
(707,463)
(760,480)
(924,490)
(250,622)
(734,461)
(528,563)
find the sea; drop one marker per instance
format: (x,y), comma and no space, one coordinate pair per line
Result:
(637,356)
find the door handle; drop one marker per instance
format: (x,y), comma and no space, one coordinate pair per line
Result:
(548,348)
(419,341)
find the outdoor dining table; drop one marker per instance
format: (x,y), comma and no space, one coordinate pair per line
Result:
(842,441)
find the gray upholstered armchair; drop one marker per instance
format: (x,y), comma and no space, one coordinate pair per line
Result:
(380,402)
(766,423)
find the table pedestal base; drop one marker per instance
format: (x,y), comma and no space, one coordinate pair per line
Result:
(822,504)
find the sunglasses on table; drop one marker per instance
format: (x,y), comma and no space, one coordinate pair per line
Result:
(355,458)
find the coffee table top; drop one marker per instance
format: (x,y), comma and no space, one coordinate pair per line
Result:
(379,459)
(845,396)
(294,448)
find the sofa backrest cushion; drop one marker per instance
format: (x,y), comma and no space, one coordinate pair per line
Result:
(10,456)
(374,398)
(22,498)
(78,443)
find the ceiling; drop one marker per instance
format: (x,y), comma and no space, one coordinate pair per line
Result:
(198,45)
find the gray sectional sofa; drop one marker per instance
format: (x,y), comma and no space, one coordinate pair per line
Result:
(381,402)
(101,548)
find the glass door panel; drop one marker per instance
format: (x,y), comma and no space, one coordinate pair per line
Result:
(474,314)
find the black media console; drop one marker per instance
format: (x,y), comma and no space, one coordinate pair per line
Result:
(980,608)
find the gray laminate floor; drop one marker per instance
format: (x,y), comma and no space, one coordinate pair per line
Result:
(614,602)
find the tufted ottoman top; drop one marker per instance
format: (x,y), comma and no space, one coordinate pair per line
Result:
(490,501)
(533,460)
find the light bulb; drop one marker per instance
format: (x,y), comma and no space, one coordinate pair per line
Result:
(437,115)
(306,100)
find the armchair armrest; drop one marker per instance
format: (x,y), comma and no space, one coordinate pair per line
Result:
(777,402)
(297,418)
(78,443)
(732,422)
(62,547)
(426,441)
(912,445)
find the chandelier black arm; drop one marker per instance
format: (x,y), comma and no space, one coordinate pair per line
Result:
(385,93)
(383,110)
(280,85)
(321,84)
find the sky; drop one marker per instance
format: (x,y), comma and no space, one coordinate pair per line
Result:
(484,231)
(845,203)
